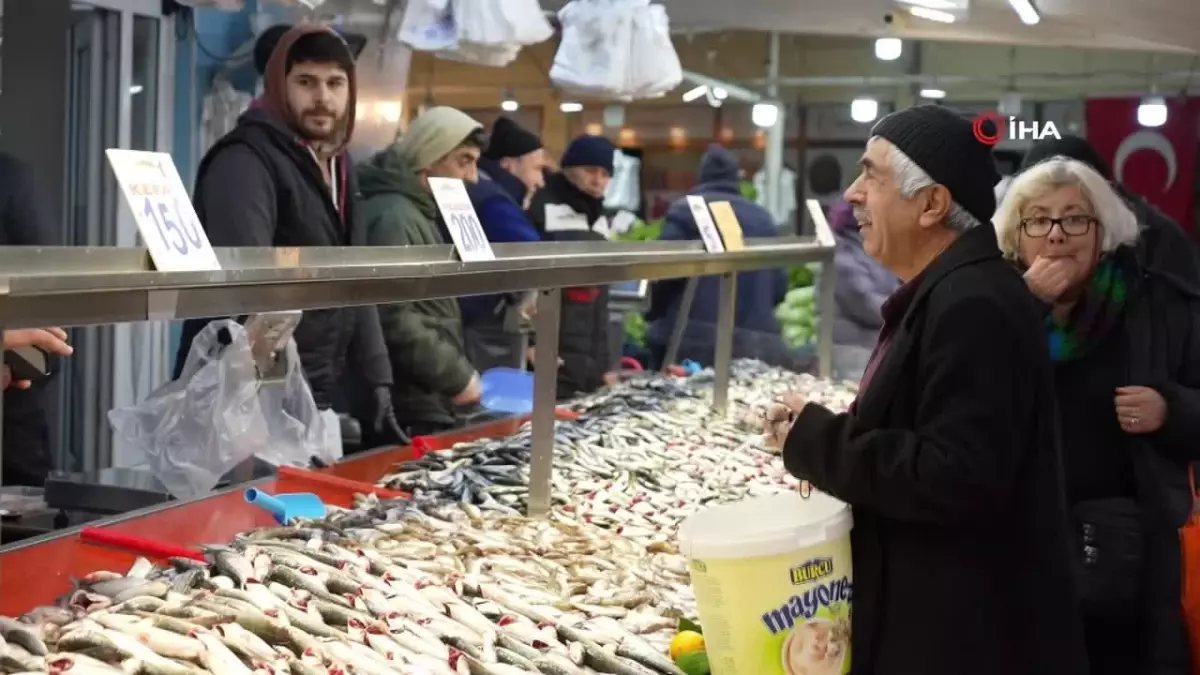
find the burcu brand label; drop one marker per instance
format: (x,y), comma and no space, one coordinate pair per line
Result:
(779,615)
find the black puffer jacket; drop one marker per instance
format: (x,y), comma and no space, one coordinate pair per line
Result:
(259,186)
(583,325)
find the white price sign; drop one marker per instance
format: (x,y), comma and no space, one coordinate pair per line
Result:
(704,223)
(163,211)
(455,207)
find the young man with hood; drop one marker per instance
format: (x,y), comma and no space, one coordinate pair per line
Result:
(424,338)
(570,207)
(510,171)
(758,293)
(282,178)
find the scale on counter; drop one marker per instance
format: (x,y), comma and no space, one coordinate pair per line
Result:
(113,491)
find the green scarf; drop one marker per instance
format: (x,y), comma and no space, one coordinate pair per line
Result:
(1098,310)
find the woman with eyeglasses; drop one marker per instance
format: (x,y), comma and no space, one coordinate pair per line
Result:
(1125,338)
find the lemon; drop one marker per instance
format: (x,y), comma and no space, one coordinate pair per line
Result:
(686,642)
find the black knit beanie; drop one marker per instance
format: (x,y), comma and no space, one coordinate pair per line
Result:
(1073,147)
(943,144)
(509,139)
(590,151)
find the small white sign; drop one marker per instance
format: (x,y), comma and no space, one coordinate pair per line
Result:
(461,220)
(163,211)
(704,223)
(820,223)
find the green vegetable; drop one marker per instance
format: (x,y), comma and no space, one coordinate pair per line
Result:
(635,328)
(687,624)
(642,231)
(694,663)
(797,295)
(748,190)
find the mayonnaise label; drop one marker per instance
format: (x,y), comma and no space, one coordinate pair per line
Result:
(777,615)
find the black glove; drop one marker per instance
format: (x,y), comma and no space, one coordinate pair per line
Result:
(385,424)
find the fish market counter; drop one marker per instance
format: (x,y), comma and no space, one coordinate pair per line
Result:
(37,571)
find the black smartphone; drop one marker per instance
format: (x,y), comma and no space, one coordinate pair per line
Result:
(29,363)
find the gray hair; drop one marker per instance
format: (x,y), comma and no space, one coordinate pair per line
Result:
(1118,224)
(913,179)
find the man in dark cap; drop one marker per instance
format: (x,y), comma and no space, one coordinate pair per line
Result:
(571,208)
(1164,242)
(949,456)
(510,171)
(282,177)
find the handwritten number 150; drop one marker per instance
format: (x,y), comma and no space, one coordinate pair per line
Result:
(175,233)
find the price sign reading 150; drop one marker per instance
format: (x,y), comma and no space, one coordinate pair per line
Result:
(175,229)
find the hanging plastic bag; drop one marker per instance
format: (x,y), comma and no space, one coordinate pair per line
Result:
(429,25)
(593,54)
(650,45)
(481,55)
(192,431)
(502,23)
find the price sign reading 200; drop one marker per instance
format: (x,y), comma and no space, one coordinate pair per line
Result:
(177,232)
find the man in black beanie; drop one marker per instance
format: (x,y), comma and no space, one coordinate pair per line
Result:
(949,457)
(1164,243)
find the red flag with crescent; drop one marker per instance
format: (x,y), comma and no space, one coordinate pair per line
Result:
(1158,163)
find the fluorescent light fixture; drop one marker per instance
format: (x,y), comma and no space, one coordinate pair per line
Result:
(389,111)
(136,89)
(931,14)
(719,93)
(1152,112)
(933,93)
(863,110)
(694,93)
(570,107)
(510,105)
(1026,11)
(888,49)
(764,115)
(930,4)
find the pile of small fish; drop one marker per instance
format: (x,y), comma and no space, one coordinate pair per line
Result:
(387,587)
(454,581)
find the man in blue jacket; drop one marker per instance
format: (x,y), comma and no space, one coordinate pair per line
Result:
(758,293)
(510,170)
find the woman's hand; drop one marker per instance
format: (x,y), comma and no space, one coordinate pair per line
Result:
(1140,410)
(779,418)
(1048,278)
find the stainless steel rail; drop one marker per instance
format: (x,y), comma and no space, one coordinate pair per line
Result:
(79,286)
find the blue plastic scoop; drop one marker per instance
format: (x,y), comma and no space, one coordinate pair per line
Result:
(287,507)
(507,390)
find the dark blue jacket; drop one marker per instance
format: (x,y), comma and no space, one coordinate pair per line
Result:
(758,292)
(497,200)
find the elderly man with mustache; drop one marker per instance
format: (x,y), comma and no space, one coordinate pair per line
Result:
(949,456)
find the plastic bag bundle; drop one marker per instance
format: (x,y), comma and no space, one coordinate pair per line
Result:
(616,49)
(192,431)
(483,32)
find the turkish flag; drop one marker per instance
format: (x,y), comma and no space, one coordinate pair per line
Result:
(1158,163)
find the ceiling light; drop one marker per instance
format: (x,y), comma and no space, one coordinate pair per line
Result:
(764,115)
(1152,112)
(694,93)
(136,89)
(888,49)
(719,93)
(863,110)
(931,14)
(933,93)
(510,103)
(570,106)
(931,4)
(389,111)
(1026,11)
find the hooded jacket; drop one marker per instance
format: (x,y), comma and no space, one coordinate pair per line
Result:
(260,185)
(424,338)
(757,332)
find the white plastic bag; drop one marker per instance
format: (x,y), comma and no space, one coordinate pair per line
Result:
(192,431)
(429,25)
(502,23)
(659,70)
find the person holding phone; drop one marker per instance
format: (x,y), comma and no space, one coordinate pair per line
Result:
(49,340)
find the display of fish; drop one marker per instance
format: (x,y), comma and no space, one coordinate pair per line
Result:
(454,580)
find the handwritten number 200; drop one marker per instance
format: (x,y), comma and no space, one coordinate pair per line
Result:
(175,233)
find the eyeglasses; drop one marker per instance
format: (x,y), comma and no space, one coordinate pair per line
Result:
(1073,225)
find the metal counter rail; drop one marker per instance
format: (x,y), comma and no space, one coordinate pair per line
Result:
(79,286)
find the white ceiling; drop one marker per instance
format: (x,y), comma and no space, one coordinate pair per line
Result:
(1152,25)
